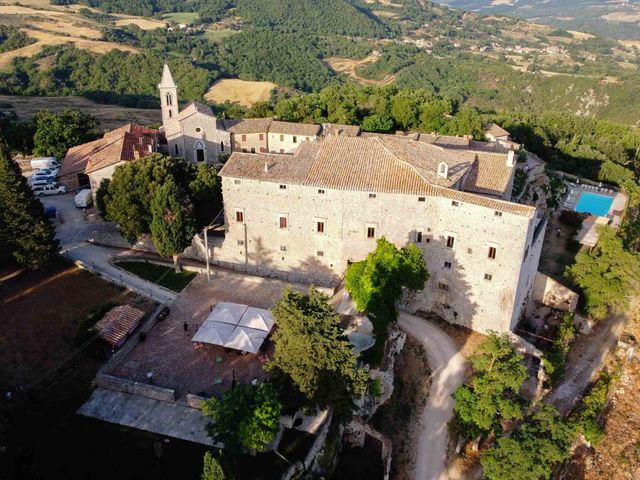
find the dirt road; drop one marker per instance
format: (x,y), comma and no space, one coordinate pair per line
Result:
(587,357)
(448,373)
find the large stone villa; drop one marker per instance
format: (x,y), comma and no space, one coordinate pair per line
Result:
(302,201)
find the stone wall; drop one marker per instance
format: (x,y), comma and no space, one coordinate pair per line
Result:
(134,388)
(255,141)
(196,131)
(548,292)
(285,143)
(466,286)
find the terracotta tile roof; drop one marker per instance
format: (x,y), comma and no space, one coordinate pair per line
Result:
(290,128)
(386,165)
(445,140)
(337,129)
(496,130)
(489,175)
(118,323)
(123,144)
(194,107)
(247,125)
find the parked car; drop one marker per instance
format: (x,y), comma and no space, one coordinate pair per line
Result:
(83,198)
(50,190)
(42,176)
(41,182)
(44,162)
(53,171)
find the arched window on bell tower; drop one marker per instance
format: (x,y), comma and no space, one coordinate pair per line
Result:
(169,99)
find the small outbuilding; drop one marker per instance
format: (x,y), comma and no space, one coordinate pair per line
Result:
(118,323)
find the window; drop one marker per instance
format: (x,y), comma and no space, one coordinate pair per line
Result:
(373,195)
(451,241)
(469,251)
(198,129)
(421,199)
(295,139)
(244,137)
(240,242)
(497,213)
(447,265)
(176,149)
(371,232)
(283,187)
(427,240)
(488,277)
(282,222)
(237,181)
(307,139)
(169,99)
(239,216)
(170,114)
(492,253)
(263,150)
(261,136)
(320,253)
(455,204)
(320,227)
(222,146)
(443,286)
(244,150)
(418,237)
(282,150)
(283,248)
(320,191)
(253,149)
(282,138)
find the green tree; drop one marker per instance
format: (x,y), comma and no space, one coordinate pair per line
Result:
(245,419)
(312,350)
(607,274)
(493,393)
(57,132)
(25,233)
(531,453)
(211,468)
(172,225)
(205,191)
(376,123)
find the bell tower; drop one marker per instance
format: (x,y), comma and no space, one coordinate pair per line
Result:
(168,96)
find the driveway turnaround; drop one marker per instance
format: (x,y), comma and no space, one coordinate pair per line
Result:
(447,365)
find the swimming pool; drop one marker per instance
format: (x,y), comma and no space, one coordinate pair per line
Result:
(598,205)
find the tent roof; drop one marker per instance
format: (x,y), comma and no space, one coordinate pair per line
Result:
(258,319)
(246,340)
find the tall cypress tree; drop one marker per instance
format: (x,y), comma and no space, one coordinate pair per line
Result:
(25,232)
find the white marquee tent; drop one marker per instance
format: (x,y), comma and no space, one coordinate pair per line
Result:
(236,326)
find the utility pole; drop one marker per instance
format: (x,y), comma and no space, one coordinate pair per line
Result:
(206,248)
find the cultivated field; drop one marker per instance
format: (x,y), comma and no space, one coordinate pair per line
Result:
(349,67)
(109,116)
(56,25)
(143,23)
(239,91)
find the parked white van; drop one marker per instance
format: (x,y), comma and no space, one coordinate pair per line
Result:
(83,198)
(50,190)
(42,182)
(44,162)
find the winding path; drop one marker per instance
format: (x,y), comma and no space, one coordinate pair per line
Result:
(431,435)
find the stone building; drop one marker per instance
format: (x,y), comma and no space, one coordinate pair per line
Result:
(307,215)
(88,164)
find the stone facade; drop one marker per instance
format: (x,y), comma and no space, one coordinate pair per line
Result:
(466,286)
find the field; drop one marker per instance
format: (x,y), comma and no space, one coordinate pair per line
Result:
(239,91)
(163,276)
(217,35)
(180,17)
(109,116)
(143,23)
(56,25)
(349,67)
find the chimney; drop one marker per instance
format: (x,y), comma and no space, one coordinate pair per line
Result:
(266,167)
(443,170)
(511,159)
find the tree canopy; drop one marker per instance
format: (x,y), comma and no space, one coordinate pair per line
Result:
(530,453)
(312,350)
(245,419)
(607,274)
(493,393)
(26,235)
(211,468)
(128,196)
(57,132)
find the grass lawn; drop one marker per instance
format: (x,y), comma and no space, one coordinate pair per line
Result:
(180,17)
(217,35)
(163,276)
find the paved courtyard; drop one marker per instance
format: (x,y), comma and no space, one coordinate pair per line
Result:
(169,353)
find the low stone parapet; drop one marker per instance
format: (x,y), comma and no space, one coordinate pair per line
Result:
(124,385)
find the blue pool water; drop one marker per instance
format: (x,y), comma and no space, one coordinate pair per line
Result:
(594,204)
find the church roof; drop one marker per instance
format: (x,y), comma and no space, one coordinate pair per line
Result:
(387,164)
(194,107)
(496,130)
(167,78)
